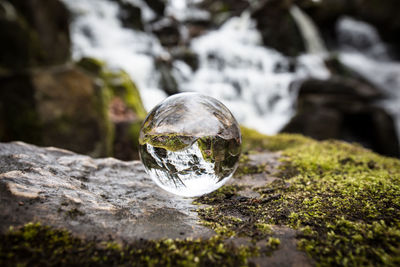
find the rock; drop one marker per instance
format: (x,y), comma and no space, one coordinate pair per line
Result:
(277,27)
(125,108)
(37,33)
(187,56)
(167,31)
(108,199)
(381,14)
(130,15)
(167,81)
(95,198)
(307,196)
(342,108)
(22,44)
(50,106)
(56,103)
(158,6)
(221,10)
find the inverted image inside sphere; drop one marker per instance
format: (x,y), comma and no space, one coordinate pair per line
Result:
(190,144)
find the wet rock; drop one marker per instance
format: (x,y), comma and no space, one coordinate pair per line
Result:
(95,198)
(277,27)
(167,82)
(382,14)
(158,6)
(222,10)
(187,56)
(130,15)
(167,31)
(87,108)
(343,108)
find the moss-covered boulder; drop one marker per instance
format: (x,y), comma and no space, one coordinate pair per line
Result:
(87,108)
(125,108)
(59,106)
(291,197)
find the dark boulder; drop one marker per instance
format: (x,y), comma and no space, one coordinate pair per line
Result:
(343,108)
(167,79)
(383,14)
(221,10)
(38,29)
(277,26)
(20,44)
(158,6)
(130,15)
(167,31)
(186,55)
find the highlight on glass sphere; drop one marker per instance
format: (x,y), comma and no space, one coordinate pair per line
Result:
(190,144)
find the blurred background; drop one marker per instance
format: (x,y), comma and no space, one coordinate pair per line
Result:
(82,74)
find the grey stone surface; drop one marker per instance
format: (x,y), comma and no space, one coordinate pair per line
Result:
(96,198)
(109,199)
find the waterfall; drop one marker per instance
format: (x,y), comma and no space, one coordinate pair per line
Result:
(309,31)
(254,81)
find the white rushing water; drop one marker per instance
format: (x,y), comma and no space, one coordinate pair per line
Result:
(236,69)
(96,31)
(255,82)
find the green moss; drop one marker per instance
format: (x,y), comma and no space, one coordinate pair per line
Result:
(255,141)
(102,101)
(171,142)
(343,199)
(233,215)
(92,65)
(122,86)
(247,167)
(116,84)
(37,245)
(348,198)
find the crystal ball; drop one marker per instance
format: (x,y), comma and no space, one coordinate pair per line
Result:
(190,144)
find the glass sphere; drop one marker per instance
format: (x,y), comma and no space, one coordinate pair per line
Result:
(190,144)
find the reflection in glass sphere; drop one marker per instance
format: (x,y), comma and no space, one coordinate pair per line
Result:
(190,144)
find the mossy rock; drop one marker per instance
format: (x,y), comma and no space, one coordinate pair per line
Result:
(337,201)
(342,198)
(117,82)
(34,244)
(124,104)
(58,106)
